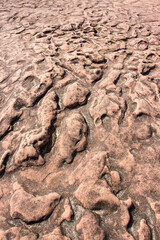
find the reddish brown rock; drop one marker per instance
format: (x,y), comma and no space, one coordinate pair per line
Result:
(115,177)
(17,233)
(3,161)
(141,44)
(56,235)
(37,91)
(96,195)
(78,65)
(149,107)
(125,218)
(72,139)
(31,208)
(145,68)
(97,57)
(94,75)
(111,78)
(105,105)
(75,95)
(79,118)
(144,231)
(8,116)
(62,212)
(91,167)
(34,140)
(89,228)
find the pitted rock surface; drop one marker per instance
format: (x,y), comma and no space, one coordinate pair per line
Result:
(79,120)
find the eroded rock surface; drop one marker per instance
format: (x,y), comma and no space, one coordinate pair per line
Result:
(29,151)
(96,195)
(17,233)
(89,228)
(31,208)
(72,138)
(75,95)
(79,120)
(56,235)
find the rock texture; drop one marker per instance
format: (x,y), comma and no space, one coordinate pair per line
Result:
(31,208)
(17,233)
(72,138)
(79,120)
(75,95)
(89,228)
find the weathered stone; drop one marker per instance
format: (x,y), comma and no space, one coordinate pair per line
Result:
(72,139)
(31,208)
(79,120)
(56,235)
(96,195)
(144,231)
(89,228)
(75,95)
